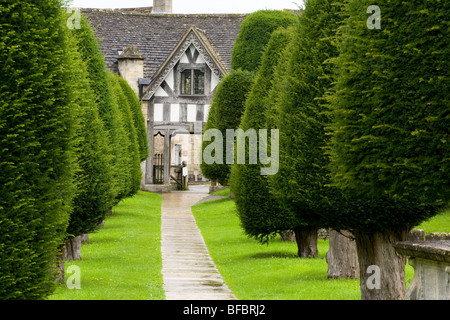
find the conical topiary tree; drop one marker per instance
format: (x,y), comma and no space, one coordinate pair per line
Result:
(37,130)
(131,141)
(108,109)
(225,114)
(389,148)
(301,183)
(138,119)
(260,214)
(95,194)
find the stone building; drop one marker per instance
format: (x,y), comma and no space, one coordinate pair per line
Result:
(174,63)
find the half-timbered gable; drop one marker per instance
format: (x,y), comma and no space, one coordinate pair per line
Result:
(182,89)
(174,63)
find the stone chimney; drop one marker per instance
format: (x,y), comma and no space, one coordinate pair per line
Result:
(131,66)
(162,6)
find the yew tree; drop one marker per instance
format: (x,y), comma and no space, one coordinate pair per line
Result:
(37,130)
(131,143)
(138,118)
(389,150)
(107,108)
(225,114)
(254,35)
(301,185)
(95,192)
(260,214)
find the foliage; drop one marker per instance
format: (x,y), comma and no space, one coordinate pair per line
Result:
(138,118)
(107,107)
(301,184)
(254,35)
(226,112)
(37,130)
(259,211)
(390,105)
(95,193)
(131,144)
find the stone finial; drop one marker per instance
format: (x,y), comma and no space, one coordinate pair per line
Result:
(131,52)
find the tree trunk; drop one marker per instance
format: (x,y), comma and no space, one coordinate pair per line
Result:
(60,266)
(306,238)
(72,249)
(342,257)
(382,275)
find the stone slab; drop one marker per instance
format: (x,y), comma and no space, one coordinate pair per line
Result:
(431,250)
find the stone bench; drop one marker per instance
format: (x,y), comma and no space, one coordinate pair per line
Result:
(429,255)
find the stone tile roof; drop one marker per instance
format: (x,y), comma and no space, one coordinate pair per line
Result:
(157,35)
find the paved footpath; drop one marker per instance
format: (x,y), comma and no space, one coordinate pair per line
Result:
(188,271)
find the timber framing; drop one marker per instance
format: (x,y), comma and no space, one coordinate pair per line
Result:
(202,45)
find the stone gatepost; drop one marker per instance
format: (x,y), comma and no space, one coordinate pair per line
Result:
(430,257)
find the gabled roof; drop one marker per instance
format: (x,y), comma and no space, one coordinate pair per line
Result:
(156,35)
(195,37)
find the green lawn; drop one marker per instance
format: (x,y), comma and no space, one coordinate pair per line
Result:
(274,272)
(439,223)
(122,261)
(261,272)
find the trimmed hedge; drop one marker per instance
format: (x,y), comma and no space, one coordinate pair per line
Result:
(254,35)
(225,113)
(260,215)
(37,130)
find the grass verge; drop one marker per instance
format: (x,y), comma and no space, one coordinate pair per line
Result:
(122,261)
(274,272)
(260,272)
